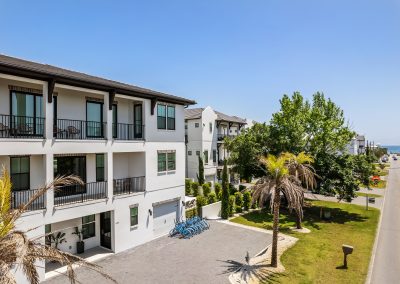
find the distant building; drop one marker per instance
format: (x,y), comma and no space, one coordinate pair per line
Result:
(205,132)
(357,145)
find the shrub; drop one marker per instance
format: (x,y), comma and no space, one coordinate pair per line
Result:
(209,183)
(238,209)
(254,205)
(191,212)
(217,188)
(231,205)
(225,193)
(242,187)
(188,186)
(206,189)
(219,196)
(195,188)
(232,189)
(212,198)
(200,201)
(239,199)
(246,200)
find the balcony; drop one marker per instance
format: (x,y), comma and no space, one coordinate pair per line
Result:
(221,137)
(129,185)
(15,126)
(79,129)
(124,131)
(21,197)
(80,193)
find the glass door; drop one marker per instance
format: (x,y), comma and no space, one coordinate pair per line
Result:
(22,113)
(70,165)
(94,119)
(105,229)
(138,121)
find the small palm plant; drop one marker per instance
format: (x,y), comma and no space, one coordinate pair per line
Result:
(18,251)
(285,175)
(57,239)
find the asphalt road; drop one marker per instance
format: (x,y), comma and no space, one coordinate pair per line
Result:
(386,262)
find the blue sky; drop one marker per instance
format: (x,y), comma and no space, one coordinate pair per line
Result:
(237,56)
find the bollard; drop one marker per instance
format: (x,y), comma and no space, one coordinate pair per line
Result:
(346,251)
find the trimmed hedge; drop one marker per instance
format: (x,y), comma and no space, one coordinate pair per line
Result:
(206,189)
(212,198)
(200,201)
(246,200)
(231,205)
(239,199)
(195,188)
(188,186)
(191,213)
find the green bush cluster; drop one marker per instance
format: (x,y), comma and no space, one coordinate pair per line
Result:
(188,186)
(231,205)
(212,197)
(195,188)
(200,201)
(206,189)
(246,200)
(218,188)
(191,213)
(238,202)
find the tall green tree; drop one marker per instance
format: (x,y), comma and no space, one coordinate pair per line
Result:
(225,193)
(246,148)
(200,174)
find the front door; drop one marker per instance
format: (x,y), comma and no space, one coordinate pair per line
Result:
(105,229)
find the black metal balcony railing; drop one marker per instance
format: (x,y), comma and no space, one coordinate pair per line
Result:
(129,185)
(15,126)
(21,197)
(221,137)
(124,131)
(80,193)
(79,129)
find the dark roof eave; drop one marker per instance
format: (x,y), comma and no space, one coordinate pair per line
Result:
(37,75)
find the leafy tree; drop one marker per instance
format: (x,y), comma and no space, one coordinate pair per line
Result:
(200,175)
(280,177)
(225,193)
(245,149)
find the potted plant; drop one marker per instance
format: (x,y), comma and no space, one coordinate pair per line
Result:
(80,245)
(57,239)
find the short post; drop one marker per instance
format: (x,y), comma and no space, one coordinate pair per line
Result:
(346,251)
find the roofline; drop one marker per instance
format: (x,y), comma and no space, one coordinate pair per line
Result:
(61,79)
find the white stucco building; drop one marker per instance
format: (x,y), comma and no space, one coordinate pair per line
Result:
(126,143)
(357,145)
(205,132)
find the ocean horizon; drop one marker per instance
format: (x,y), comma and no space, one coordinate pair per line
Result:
(392,148)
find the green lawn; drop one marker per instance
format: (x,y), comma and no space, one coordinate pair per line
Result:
(369,194)
(316,255)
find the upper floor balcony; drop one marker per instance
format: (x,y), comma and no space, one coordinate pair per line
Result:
(18,126)
(221,137)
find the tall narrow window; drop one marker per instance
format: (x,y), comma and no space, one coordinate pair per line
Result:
(210,127)
(99,167)
(47,231)
(171,157)
(115,121)
(161,116)
(89,226)
(134,215)
(214,156)
(138,121)
(19,173)
(162,162)
(94,119)
(206,157)
(171,118)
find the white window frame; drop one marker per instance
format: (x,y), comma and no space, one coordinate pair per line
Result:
(166,152)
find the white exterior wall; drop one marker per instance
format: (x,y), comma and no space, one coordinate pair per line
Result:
(123,159)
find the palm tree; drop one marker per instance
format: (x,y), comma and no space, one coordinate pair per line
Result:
(18,251)
(284,175)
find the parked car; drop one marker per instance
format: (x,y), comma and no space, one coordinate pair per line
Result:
(395,158)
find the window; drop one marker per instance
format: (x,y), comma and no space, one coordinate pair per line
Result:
(138,121)
(210,127)
(115,121)
(166,161)
(27,113)
(68,165)
(94,119)
(197,153)
(214,156)
(189,153)
(171,157)
(196,125)
(47,231)
(100,167)
(88,226)
(161,116)
(162,162)
(134,215)
(171,118)
(19,173)
(206,157)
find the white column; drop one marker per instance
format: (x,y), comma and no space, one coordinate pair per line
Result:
(49,176)
(109,116)
(110,175)
(48,112)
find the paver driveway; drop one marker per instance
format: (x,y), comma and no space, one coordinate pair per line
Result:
(206,258)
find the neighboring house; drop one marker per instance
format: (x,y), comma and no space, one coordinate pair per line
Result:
(125,142)
(357,145)
(205,133)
